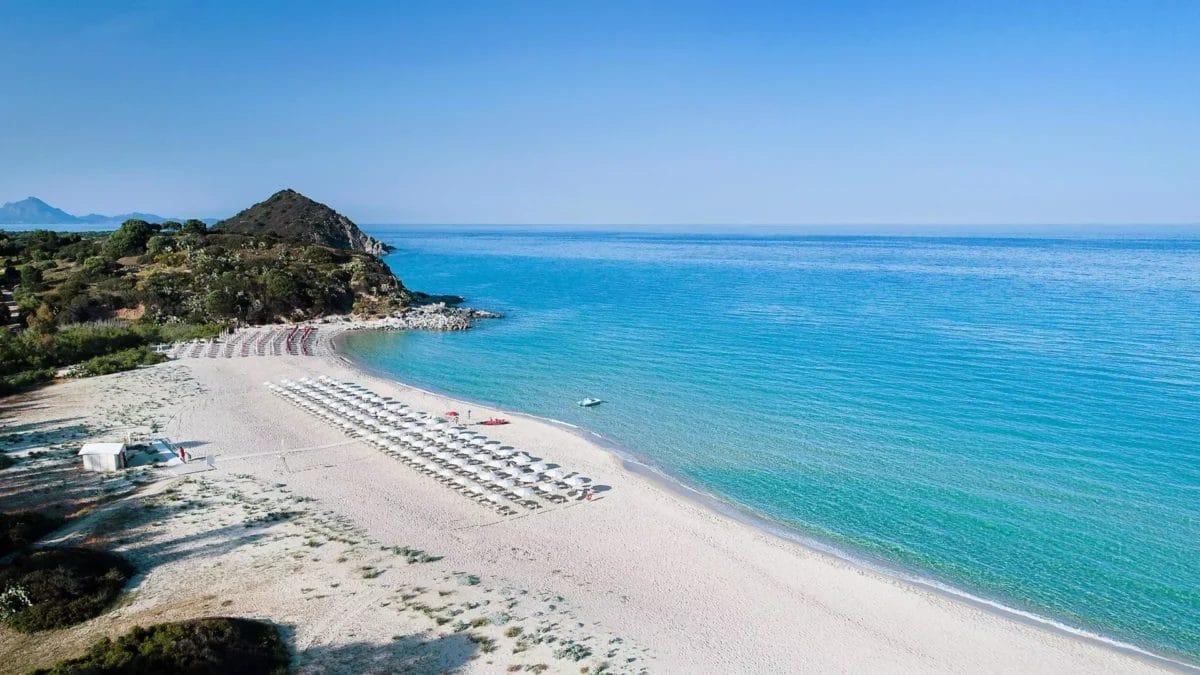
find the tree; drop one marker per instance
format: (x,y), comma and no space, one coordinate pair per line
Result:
(42,321)
(95,266)
(193,226)
(157,244)
(31,276)
(129,239)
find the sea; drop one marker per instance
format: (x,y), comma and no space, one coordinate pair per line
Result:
(1012,419)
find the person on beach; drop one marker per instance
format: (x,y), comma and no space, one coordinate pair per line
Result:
(182,454)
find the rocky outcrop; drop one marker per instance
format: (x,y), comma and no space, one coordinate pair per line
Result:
(437,317)
(292,216)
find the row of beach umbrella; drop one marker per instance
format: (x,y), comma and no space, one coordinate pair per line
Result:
(470,462)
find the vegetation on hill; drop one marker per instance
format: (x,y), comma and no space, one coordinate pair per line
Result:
(87,296)
(198,647)
(18,530)
(292,216)
(55,587)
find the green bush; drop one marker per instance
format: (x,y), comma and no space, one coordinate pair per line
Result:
(129,239)
(56,587)
(18,530)
(126,359)
(31,357)
(216,645)
(10,384)
(183,332)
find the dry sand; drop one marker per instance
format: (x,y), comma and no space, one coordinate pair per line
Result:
(301,525)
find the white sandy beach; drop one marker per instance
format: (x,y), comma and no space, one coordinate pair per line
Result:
(651,580)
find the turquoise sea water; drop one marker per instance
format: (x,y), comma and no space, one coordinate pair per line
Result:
(1015,418)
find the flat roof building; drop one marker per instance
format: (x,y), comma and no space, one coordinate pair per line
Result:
(103,456)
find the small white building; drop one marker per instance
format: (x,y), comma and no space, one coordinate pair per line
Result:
(103,456)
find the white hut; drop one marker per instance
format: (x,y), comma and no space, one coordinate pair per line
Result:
(103,456)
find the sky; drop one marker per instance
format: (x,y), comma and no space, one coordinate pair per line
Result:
(612,112)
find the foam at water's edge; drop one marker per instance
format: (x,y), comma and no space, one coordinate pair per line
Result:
(635,464)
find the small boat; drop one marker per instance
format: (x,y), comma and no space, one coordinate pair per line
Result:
(589,402)
(495,421)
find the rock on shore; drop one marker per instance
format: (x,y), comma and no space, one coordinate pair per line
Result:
(437,316)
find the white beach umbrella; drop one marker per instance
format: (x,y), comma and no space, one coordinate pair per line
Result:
(576,481)
(461,463)
(395,448)
(538,467)
(506,484)
(524,493)
(521,460)
(497,464)
(501,452)
(528,478)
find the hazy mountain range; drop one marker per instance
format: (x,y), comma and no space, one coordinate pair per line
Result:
(33,211)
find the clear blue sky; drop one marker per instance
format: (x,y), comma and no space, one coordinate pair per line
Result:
(609,112)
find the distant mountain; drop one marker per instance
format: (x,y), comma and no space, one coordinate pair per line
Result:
(292,216)
(122,217)
(33,211)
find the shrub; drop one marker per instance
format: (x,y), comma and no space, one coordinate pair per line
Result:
(60,587)
(18,530)
(26,378)
(127,359)
(129,239)
(216,645)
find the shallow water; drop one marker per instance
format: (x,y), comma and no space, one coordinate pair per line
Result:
(1019,419)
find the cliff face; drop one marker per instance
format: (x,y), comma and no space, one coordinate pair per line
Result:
(294,217)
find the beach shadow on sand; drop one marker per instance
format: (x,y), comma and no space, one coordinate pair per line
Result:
(405,654)
(20,437)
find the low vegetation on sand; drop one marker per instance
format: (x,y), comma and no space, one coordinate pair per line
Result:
(214,645)
(56,587)
(18,530)
(33,356)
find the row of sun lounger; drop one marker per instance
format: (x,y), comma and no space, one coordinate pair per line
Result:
(492,474)
(295,340)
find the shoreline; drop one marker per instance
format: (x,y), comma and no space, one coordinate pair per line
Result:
(632,463)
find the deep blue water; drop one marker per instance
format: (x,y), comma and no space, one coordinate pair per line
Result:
(1016,418)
